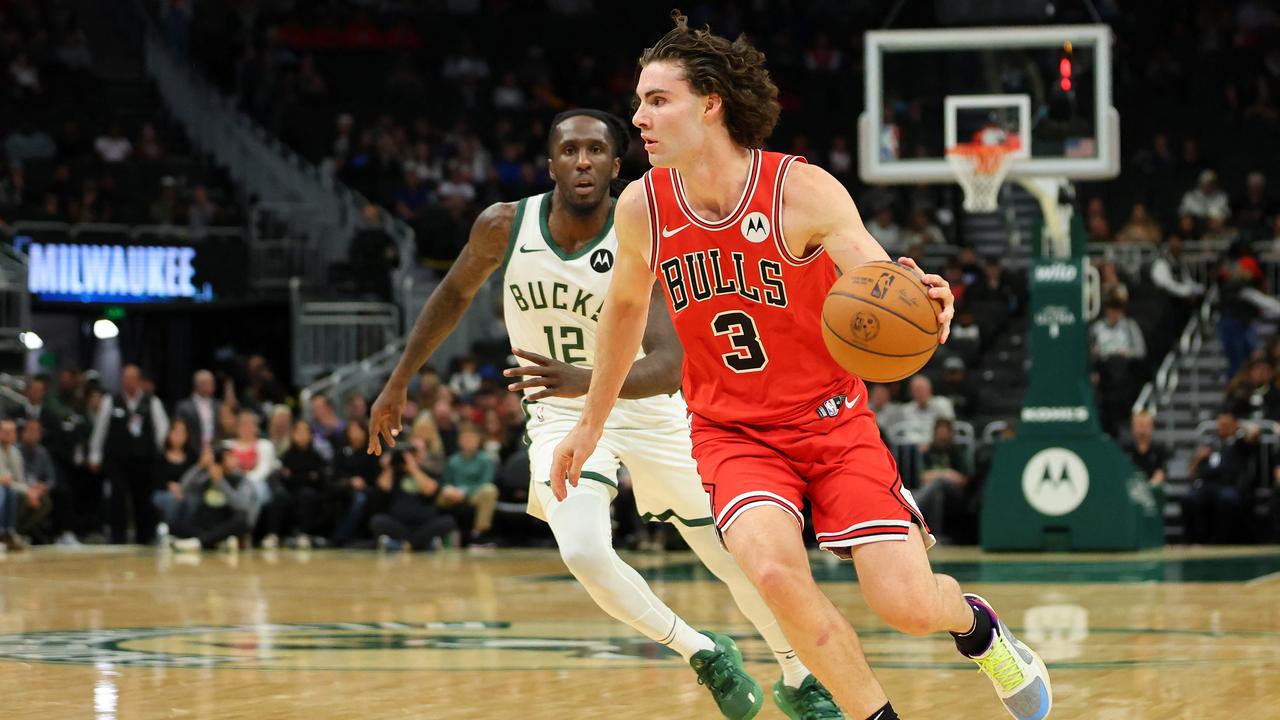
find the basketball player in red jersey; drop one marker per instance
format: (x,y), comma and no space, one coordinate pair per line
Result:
(745,244)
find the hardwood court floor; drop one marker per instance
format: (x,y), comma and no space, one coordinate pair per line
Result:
(118,634)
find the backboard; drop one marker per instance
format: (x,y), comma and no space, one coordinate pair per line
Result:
(926,90)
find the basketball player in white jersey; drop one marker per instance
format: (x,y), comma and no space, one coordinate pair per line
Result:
(556,254)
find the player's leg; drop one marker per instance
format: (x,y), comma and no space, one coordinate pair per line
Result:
(756,497)
(860,508)
(667,486)
(767,544)
(901,587)
(583,532)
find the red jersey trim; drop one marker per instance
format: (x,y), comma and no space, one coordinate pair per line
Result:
(753,177)
(778,236)
(651,205)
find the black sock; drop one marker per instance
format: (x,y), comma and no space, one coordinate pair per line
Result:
(884,713)
(978,639)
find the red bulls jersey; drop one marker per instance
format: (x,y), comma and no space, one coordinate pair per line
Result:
(748,312)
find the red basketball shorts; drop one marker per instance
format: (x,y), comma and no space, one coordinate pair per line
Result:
(839,463)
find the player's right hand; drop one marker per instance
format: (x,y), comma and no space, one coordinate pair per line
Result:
(385,418)
(569,457)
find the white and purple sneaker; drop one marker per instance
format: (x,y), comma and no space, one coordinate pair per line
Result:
(1019,675)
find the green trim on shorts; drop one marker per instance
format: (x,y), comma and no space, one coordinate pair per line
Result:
(668,514)
(590,475)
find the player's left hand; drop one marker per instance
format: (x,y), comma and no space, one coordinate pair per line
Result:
(940,290)
(556,378)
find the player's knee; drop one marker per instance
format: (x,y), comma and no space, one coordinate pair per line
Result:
(586,562)
(776,579)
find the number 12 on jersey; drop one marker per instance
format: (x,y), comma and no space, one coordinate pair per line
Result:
(748,354)
(566,348)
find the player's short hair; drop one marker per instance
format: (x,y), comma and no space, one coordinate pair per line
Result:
(619,135)
(734,70)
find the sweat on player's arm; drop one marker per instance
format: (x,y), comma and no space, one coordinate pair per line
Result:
(486,247)
(618,338)
(657,373)
(818,212)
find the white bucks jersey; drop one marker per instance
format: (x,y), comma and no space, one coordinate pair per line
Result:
(551,303)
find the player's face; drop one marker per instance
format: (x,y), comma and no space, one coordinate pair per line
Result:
(582,162)
(670,115)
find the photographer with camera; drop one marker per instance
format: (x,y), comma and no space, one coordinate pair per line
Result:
(404,505)
(221,498)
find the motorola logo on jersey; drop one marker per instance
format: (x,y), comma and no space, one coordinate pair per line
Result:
(602,260)
(702,275)
(755,227)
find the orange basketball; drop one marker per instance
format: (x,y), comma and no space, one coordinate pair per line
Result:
(879,323)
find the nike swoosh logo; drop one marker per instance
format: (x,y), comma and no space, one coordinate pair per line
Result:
(854,401)
(524,249)
(666,233)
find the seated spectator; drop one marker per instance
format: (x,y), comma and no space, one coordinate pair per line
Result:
(1253,393)
(373,255)
(957,388)
(404,505)
(13,486)
(1141,228)
(945,472)
(1256,206)
(255,458)
(297,498)
(164,210)
(326,427)
(1239,274)
(173,462)
(1205,199)
(1113,286)
(355,471)
(457,187)
(149,147)
(280,428)
(202,212)
(1171,273)
(924,409)
(113,147)
(921,231)
(73,53)
(200,412)
(25,76)
(995,292)
(1216,229)
(1118,349)
(880,401)
(221,502)
(466,379)
(966,335)
(1224,473)
(883,228)
(356,406)
(29,142)
(468,484)
(412,197)
(1150,457)
(41,479)
(426,438)
(424,165)
(840,159)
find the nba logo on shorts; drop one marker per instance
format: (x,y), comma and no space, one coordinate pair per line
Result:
(755,227)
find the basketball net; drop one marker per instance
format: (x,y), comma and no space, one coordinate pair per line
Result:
(980,169)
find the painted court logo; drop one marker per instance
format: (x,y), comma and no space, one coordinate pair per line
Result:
(1055,481)
(755,227)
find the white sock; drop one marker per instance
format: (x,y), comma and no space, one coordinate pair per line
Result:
(685,640)
(706,545)
(793,671)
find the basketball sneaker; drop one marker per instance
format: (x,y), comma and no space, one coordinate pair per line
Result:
(810,701)
(736,693)
(1017,672)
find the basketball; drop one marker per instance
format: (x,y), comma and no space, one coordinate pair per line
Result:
(879,322)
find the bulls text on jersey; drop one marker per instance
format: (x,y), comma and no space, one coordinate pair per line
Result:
(702,275)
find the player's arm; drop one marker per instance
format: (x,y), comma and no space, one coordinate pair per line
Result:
(622,328)
(485,249)
(818,212)
(657,373)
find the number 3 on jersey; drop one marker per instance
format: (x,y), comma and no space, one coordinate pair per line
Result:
(748,354)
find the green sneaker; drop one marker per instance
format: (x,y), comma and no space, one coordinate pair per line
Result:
(810,701)
(736,693)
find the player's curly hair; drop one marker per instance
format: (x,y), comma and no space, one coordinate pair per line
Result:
(733,70)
